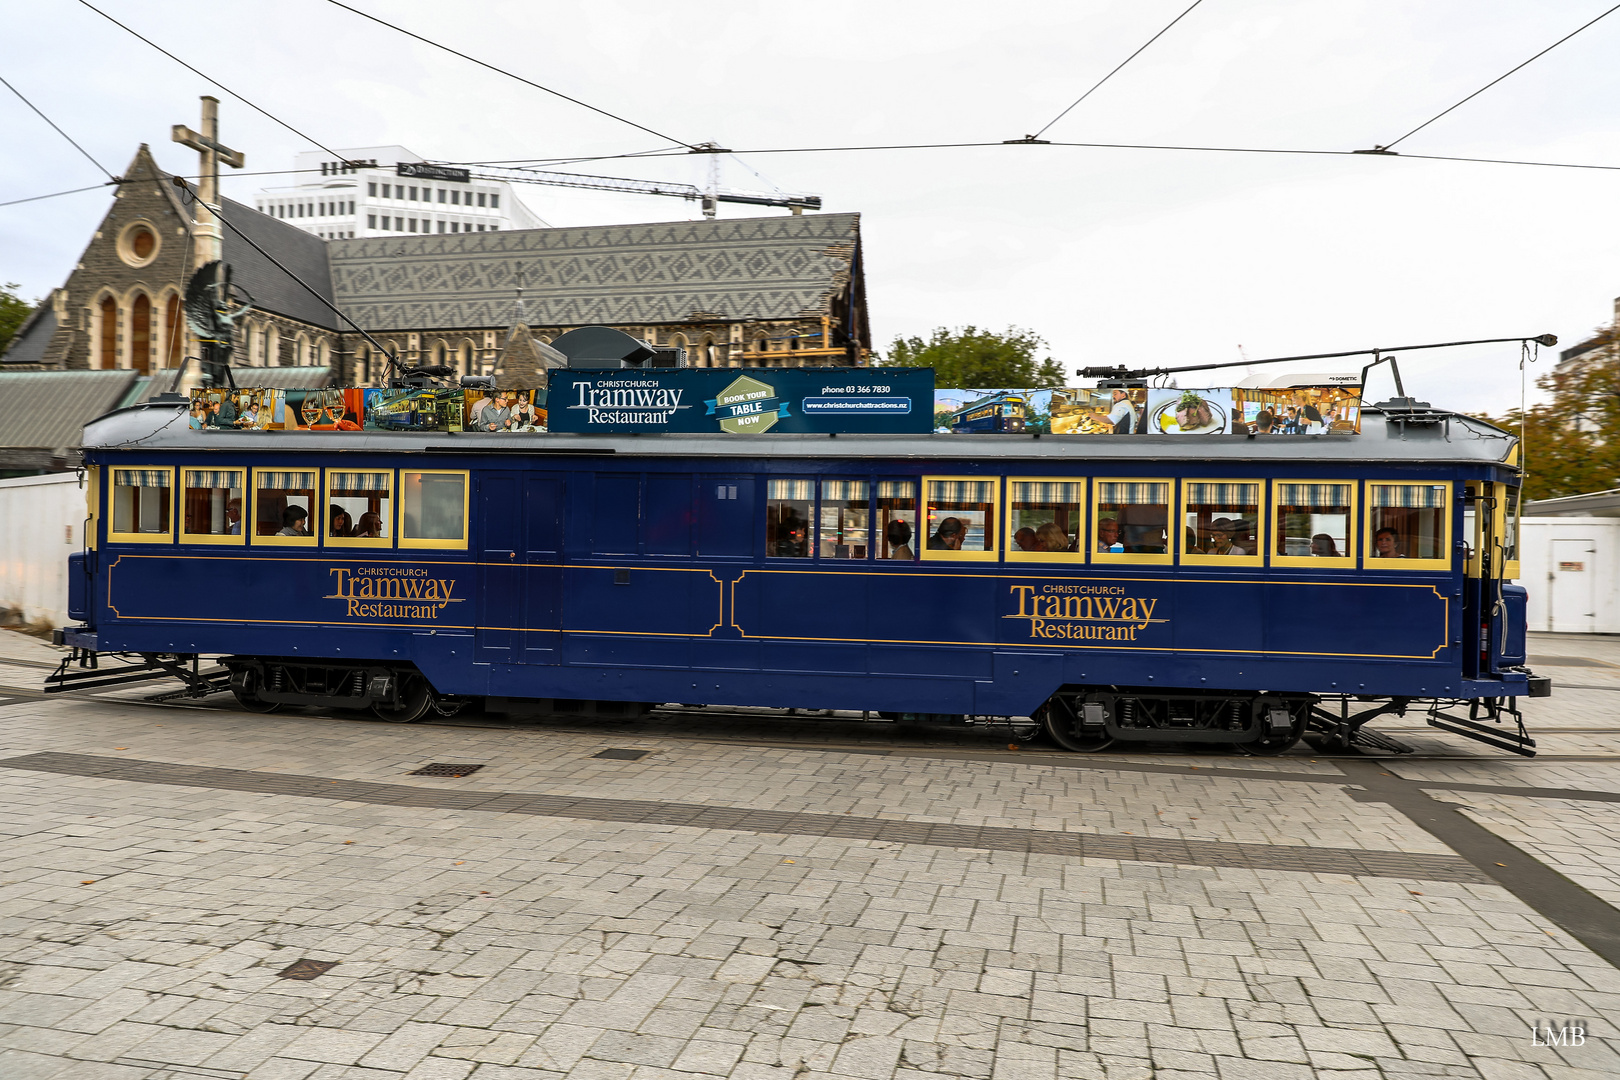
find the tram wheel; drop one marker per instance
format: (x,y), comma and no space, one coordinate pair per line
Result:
(249,701)
(1061,724)
(1272,745)
(415,701)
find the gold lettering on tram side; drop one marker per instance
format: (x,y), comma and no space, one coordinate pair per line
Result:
(391,592)
(1079,611)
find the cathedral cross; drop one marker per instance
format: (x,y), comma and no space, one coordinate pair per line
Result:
(212,152)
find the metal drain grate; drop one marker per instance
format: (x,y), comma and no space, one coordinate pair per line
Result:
(623,755)
(441,768)
(305,970)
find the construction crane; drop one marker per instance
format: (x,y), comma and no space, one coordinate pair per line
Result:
(710,198)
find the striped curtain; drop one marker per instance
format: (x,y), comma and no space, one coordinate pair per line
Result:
(896,489)
(140,478)
(214,478)
(359,481)
(961,491)
(1335,496)
(1409,496)
(1224,495)
(1047,493)
(1133,493)
(843,490)
(789,489)
(286,481)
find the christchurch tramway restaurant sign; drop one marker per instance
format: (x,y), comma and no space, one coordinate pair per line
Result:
(878,401)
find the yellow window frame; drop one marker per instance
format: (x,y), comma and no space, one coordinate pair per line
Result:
(1017,554)
(1134,557)
(166,537)
(399,510)
(314,536)
(92,507)
(1511,493)
(993,535)
(1442,563)
(1261,532)
(1345,561)
(358,541)
(210,538)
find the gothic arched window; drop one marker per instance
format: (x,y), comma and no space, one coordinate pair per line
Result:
(172,332)
(109,333)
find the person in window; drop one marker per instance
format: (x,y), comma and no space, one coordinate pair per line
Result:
(339,523)
(1108,536)
(792,532)
(1123,414)
(233,516)
(1385,543)
(1051,537)
(370,525)
(1265,422)
(898,534)
(292,521)
(523,416)
(1025,539)
(496,416)
(1322,546)
(948,537)
(1220,538)
(224,413)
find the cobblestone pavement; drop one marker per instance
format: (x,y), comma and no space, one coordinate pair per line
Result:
(775,899)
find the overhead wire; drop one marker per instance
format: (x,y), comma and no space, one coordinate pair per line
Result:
(1499,78)
(59,194)
(210,79)
(512,75)
(54,127)
(1098,84)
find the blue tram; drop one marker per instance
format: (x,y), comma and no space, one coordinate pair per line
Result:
(1151,589)
(1007,411)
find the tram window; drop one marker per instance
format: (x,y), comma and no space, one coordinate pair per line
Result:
(1408,522)
(432,508)
(842,529)
(1044,520)
(1510,528)
(359,511)
(1132,521)
(897,520)
(285,505)
(213,506)
(1313,523)
(787,518)
(141,505)
(1220,522)
(961,518)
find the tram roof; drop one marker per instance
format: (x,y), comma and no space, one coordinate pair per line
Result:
(1384,437)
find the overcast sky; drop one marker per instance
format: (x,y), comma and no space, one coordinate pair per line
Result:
(1113,256)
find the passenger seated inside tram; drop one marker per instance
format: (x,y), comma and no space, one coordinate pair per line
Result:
(1220,538)
(948,537)
(370,525)
(1049,537)
(791,534)
(1108,536)
(339,525)
(1025,539)
(898,534)
(1322,545)
(1385,543)
(292,521)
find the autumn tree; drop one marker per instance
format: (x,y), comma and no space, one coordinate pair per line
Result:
(970,358)
(1572,442)
(13,311)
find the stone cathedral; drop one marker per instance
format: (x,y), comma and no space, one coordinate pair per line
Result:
(757,292)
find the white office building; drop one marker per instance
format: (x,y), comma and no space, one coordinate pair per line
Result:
(395,191)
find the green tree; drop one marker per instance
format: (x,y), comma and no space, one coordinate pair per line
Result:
(1572,443)
(13,310)
(970,358)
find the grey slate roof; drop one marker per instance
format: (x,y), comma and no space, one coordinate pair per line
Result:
(301,252)
(764,268)
(28,347)
(43,413)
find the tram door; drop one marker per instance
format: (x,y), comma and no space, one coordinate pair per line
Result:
(520,543)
